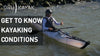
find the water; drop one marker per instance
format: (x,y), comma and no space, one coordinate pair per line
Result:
(84,16)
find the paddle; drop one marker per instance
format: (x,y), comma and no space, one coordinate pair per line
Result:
(36,31)
(66,27)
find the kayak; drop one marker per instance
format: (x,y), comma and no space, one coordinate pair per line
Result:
(63,37)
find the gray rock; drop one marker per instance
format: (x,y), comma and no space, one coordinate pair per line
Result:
(46,4)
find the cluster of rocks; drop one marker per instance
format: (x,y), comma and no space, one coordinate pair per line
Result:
(37,3)
(1,7)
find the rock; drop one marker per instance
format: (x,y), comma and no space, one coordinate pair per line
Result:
(46,4)
(32,3)
(36,4)
(62,2)
(1,7)
(0,4)
(70,1)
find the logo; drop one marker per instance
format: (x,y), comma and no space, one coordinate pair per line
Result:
(15,7)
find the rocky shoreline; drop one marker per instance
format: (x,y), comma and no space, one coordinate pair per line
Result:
(38,3)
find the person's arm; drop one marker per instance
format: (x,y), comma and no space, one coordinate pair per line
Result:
(57,23)
(44,22)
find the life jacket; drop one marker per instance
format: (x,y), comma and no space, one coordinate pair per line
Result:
(49,23)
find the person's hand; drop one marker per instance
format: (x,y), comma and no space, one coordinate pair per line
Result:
(50,28)
(61,23)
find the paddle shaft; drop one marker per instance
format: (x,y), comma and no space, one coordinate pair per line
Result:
(36,31)
(66,27)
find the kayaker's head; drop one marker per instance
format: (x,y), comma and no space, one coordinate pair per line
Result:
(48,12)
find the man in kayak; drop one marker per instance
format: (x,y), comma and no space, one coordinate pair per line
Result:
(48,21)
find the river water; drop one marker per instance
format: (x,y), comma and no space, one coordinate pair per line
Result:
(85,17)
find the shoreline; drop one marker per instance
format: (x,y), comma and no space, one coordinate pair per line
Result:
(39,3)
(12,5)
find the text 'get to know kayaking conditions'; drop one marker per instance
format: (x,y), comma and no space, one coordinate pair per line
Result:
(22,30)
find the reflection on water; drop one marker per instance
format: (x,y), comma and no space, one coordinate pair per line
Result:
(84,16)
